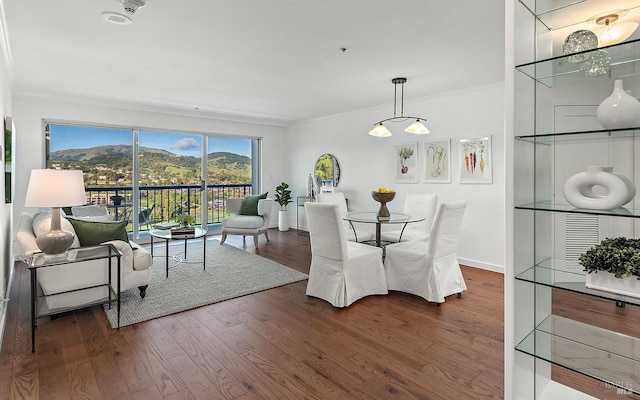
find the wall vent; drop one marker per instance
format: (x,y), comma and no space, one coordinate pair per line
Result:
(581,233)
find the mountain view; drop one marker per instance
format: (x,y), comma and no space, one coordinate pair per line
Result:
(112,166)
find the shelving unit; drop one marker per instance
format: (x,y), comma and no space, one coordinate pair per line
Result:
(556,136)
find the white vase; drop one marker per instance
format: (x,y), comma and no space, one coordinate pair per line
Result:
(578,189)
(620,110)
(283,221)
(630,185)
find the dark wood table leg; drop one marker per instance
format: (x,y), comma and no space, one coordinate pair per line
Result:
(204,246)
(167,256)
(34,299)
(378,229)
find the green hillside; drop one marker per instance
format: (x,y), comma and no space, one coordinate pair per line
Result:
(112,165)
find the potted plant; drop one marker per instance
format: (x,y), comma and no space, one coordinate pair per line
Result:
(613,265)
(283,197)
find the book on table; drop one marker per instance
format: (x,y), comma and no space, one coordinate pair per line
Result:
(183,232)
(166,225)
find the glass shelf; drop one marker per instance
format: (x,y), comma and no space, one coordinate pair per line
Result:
(558,14)
(601,354)
(559,274)
(625,58)
(603,134)
(568,208)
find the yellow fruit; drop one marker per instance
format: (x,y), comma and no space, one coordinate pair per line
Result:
(382,189)
(391,191)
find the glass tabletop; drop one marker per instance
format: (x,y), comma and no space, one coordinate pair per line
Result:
(372,217)
(77,254)
(166,234)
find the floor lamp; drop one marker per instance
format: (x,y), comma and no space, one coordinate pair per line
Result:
(55,188)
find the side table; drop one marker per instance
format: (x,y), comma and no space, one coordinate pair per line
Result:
(166,235)
(37,261)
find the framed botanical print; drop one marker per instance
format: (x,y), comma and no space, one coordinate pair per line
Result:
(437,161)
(406,163)
(475,161)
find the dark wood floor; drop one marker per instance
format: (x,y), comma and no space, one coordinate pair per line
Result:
(276,344)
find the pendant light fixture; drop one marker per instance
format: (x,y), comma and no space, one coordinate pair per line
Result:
(417,127)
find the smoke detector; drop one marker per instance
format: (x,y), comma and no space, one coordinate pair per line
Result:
(130,6)
(115,18)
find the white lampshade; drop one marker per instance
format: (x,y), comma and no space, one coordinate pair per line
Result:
(380,131)
(615,33)
(417,128)
(55,188)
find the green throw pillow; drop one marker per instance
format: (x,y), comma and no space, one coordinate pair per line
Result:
(91,233)
(250,204)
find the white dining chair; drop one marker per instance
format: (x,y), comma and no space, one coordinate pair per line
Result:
(339,199)
(341,271)
(415,203)
(429,269)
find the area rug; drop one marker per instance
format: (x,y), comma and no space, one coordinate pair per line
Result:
(230,273)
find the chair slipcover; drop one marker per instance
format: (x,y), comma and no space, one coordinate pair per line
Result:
(429,269)
(415,203)
(339,199)
(244,225)
(341,272)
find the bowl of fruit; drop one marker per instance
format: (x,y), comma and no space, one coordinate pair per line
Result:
(383,196)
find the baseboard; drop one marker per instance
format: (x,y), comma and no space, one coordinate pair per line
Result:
(4,306)
(481,265)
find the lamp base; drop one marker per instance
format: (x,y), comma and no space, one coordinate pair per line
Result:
(55,241)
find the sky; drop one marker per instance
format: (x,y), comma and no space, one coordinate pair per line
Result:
(78,137)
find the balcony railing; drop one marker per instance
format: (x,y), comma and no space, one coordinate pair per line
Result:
(167,203)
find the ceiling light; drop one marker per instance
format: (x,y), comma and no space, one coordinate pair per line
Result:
(131,6)
(612,31)
(417,127)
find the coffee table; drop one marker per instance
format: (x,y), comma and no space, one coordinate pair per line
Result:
(165,234)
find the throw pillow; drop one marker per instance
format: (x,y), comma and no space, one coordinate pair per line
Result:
(250,204)
(91,233)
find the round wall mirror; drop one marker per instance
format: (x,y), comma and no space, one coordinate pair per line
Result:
(328,169)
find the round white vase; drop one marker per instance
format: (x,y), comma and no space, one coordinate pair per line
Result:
(578,189)
(630,185)
(283,221)
(619,110)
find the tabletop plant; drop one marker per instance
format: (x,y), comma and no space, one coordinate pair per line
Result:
(619,256)
(283,195)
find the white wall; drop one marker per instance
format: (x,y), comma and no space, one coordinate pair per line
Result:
(367,162)
(6,236)
(30,112)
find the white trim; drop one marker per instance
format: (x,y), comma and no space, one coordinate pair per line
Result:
(481,265)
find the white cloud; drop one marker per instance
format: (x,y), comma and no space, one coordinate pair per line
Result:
(186,144)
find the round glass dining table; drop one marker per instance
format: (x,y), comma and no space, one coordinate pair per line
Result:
(372,218)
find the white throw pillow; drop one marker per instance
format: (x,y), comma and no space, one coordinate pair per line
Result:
(42,224)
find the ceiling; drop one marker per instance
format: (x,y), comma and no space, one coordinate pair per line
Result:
(271,60)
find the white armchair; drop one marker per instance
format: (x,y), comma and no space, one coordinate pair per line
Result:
(415,203)
(350,230)
(429,269)
(244,225)
(341,271)
(135,267)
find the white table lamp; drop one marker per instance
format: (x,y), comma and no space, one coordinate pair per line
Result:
(55,189)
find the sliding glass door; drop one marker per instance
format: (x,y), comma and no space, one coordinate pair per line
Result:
(149,177)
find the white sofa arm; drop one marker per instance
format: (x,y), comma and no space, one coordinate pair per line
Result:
(25,237)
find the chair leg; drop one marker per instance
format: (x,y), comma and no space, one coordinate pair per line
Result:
(255,240)
(266,234)
(224,237)
(459,294)
(143,290)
